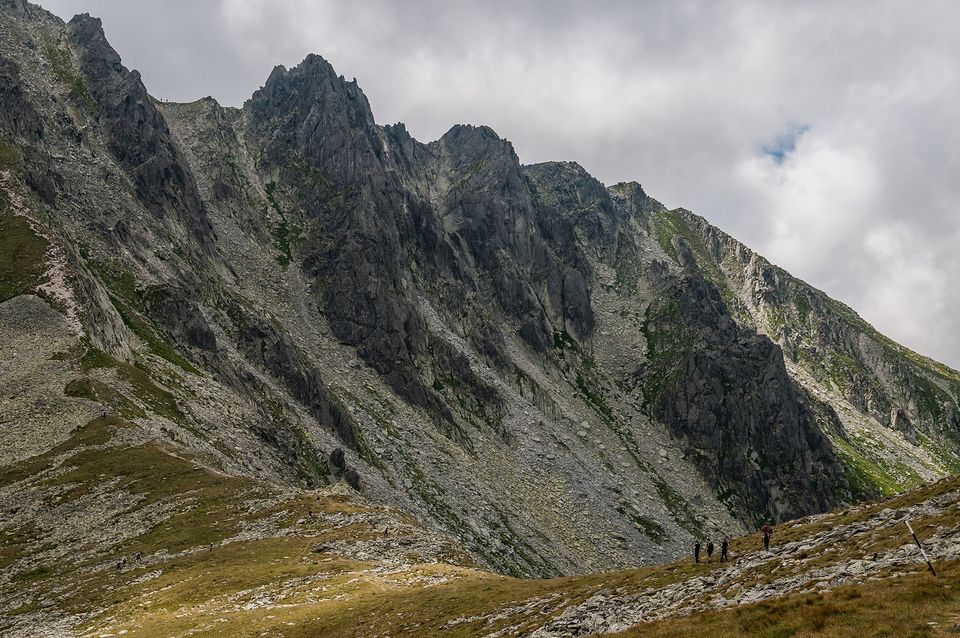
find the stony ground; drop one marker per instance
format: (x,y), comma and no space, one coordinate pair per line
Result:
(817,555)
(114,533)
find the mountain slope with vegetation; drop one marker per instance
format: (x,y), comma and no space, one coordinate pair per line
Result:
(153,542)
(555,376)
(898,409)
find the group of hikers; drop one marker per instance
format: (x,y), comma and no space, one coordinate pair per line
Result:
(724,544)
(766,531)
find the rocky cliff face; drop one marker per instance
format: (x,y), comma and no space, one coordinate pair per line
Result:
(565,377)
(898,409)
(725,391)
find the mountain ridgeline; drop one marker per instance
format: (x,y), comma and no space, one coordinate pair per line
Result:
(561,375)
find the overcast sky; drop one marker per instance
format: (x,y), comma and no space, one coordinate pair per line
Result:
(825,135)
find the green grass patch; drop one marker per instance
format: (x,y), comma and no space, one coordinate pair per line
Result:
(15,543)
(130,302)
(285,230)
(9,158)
(155,343)
(585,380)
(563,341)
(669,341)
(99,392)
(61,63)
(95,432)
(22,252)
(678,507)
(211,507)
(653,530)
(864,475)
(593,396)
(157,400)
(801,303)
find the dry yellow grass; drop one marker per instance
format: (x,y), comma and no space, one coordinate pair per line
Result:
(279,586)
(909,606)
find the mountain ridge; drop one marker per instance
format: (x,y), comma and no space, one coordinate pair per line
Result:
(564,377)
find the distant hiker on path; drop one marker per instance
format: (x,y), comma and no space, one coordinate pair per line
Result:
(767,530)
(723,549)
(696,552)
(709,550)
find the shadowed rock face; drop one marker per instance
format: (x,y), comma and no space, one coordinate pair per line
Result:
(390,216)
(273,350)
(17,115)
(726,393)
(139,137)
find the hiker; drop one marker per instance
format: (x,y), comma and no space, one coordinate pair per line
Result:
(767,530)
(709,550)
(724,544)
(696,552)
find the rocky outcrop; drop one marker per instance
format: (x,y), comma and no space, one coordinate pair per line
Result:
(172,307)
(724,391)
(460,207)
(138,134)
(797,566)
(886,386)
(272,350)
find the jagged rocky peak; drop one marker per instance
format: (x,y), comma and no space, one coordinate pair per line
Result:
(312,113)
(86,33)
(313,88)
(306,81)
(24,9)
(634,198)
(473,139)
(18,8)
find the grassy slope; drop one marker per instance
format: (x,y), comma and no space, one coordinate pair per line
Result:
(353,603)
(22,254)
(217,582)
(913,605)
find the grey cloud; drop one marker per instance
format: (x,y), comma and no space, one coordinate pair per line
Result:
(683,96)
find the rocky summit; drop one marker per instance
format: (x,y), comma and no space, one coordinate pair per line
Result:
(283,369)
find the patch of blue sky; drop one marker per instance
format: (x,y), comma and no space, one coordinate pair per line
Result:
(785,143)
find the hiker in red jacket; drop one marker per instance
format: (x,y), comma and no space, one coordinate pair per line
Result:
(767,531)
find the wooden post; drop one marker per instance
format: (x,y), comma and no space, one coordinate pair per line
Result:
(922,551)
